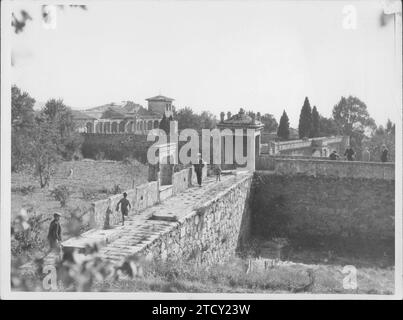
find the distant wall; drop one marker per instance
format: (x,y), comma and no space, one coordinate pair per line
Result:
(90,175)
(267,162)
(115,146)
(211,233)
(356,169)
(299,205)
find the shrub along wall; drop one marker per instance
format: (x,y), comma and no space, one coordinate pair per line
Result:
(299,205)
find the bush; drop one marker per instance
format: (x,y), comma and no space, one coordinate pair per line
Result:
(88,194)
(116,189)
(62,194)
(26,233)
(24,190)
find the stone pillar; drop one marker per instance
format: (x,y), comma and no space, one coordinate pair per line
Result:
(251,154)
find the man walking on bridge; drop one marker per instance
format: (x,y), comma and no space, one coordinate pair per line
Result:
(199,169)
(124,207)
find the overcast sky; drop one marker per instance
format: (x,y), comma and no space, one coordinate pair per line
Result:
(219,56)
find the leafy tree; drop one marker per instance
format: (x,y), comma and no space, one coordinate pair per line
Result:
(351,116)
(305,120)
(270,123)
(22,124)
(381,136)
(42,149)
(61,119)
(315,130)
(353,120)
(390,127)
(327,127)
(283,131)
(188,119)
(22,109)
(207,120)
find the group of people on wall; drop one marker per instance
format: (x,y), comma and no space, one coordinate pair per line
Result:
(350,154)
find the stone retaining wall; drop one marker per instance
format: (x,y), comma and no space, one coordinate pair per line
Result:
(323,206)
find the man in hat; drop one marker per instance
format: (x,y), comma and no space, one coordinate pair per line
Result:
(199,169)
(349,153)
(124,207)
(55,232)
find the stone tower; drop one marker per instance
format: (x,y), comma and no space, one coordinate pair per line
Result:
(160,104)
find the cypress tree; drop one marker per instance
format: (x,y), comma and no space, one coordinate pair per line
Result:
(315,132)
(164,124)
(283,131)
(305,120)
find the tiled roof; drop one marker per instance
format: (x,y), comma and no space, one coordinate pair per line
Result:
(79,115)
(126,109)
(160,98)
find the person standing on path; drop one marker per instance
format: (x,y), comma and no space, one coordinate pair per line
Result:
(55,234)
(124,207)
(366,156)
(199,169)
(349,154)
(384,154)
(217,171)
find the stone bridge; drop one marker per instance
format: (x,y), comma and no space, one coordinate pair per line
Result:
(210,223)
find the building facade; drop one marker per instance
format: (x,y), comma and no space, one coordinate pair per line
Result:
(124,117)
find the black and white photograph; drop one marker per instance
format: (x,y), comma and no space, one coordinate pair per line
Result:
(201,150)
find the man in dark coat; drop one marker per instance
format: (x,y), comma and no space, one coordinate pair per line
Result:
(124,207)
(55,232)
(384,154)
(349,154)
(199,169)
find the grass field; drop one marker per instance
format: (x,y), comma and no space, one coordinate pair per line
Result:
(232,277)
(90,181)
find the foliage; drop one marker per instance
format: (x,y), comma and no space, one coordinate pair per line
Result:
(24,190)
(270,123)
(62,194)
(381,136)
(207,120)
(327,127)
(26,232)
(305,120)
(22,123)
(116,189)
(315,130)
(19,21)
(284,127)
(352,117)
(188,119)
(353,120)
(40,140)
(61,118)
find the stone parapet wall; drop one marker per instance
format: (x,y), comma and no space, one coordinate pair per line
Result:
(352,169)
(267,162)
(181,180)
(103,212)
(212,232)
